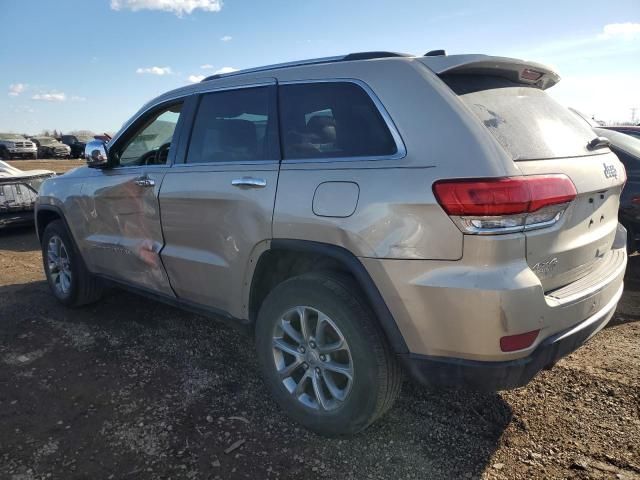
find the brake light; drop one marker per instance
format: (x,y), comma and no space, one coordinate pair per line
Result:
(528,74)
(505,205)
(512,343)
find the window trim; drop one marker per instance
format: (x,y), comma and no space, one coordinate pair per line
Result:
(122,135)
(184,97)
(401,149)
(273,107)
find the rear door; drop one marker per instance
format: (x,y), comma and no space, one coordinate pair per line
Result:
(218,205)
(543,137)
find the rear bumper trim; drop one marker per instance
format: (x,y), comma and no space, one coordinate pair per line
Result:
(492,376)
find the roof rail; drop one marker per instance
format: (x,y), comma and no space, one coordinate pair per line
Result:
(312,61)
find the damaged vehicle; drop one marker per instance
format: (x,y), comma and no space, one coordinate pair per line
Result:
(363,217)
(49,147)
(14,145)
(18,193)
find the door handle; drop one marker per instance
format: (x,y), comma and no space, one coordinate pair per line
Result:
(144,182)
(249,182)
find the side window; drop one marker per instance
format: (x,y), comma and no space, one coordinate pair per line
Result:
(629,162)
(633,134)
(233,125)
(150,143)
(331,120)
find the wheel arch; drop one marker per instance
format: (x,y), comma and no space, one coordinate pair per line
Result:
(45,214)
(290,257)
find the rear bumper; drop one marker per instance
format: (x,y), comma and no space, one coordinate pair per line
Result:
(492,376)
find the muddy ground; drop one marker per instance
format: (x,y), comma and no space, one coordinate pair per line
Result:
(55,164)
(132,389)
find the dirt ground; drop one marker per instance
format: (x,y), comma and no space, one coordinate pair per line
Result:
(132,389)
(54,164)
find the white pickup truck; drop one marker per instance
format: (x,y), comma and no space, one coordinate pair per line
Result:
(13,145)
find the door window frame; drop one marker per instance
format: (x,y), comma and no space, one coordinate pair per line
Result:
(133,128)
(401,149)
(271,85)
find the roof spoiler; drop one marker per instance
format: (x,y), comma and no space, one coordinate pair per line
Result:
(516,70)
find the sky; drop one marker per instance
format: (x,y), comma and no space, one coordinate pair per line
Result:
(90,64)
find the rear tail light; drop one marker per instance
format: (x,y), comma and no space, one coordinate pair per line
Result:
(512,343)
(505,205)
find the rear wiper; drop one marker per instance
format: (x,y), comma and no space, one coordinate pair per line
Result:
(598,142)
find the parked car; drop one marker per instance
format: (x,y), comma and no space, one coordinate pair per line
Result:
(18,192)
(77,143)
(13,145)
(627,148)
(462,228)
(634,131)
(49,147)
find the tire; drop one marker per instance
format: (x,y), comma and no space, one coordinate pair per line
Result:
(376,376)
(34,156)
(4,154)
(82,287)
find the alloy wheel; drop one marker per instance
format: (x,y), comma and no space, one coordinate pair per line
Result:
(312,358)
(59,265)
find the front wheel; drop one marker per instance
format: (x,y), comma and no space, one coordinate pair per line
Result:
(68,278)
(323,355)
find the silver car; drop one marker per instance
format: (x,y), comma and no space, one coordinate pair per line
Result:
(361,216)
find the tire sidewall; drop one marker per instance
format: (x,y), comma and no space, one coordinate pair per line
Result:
(357,411)
(57,228)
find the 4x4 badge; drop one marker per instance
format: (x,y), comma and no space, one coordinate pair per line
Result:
(610,171)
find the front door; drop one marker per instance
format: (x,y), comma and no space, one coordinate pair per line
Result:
(123,233)
(217,206)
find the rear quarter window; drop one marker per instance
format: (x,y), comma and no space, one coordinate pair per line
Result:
(331,120)
(528,123)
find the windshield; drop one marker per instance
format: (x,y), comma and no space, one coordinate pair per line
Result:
(11,136)
(45,140)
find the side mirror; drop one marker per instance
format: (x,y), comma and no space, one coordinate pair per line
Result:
(95,153)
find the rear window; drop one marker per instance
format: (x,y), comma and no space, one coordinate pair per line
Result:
(331,120)
(528,123)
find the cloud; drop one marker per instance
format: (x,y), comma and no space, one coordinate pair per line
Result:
(627,31)
(16,89)
(179,7)
(50,97)
(206,66)
(155,70)
(196,78)
(23,109)
(227,38)
(225,70)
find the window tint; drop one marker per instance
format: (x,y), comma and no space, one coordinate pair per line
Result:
(527,122)
(233,125)
(629,162)
(150,144)
(330,120)
(632,133)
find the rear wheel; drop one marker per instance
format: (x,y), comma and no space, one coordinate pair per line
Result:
(323,355)
(69,280)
